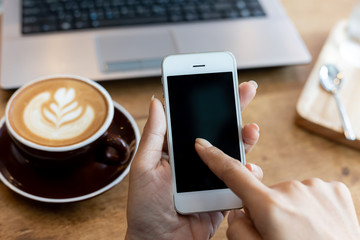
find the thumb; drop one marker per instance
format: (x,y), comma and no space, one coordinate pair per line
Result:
(151,144)
(235,175)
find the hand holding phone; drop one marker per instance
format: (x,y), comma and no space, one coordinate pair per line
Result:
(201,101)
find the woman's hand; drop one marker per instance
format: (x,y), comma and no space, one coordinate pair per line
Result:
(311,209)
(150,211)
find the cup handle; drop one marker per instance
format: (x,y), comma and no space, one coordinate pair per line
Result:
(117,150)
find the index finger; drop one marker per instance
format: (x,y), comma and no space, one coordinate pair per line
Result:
(235,175)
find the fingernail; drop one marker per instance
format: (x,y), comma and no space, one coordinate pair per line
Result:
(252,167)
(152,97)
(202,142)
(248,166)
(255,169)
(257,126)
(255,83)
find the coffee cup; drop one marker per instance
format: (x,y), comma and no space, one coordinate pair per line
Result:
(58,120)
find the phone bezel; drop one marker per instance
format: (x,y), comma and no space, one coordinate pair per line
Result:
(199,63)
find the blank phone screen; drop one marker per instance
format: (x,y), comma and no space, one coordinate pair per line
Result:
(201,105)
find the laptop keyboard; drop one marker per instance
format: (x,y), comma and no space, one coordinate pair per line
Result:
(41,16)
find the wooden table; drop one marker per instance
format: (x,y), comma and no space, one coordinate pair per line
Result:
(284,151)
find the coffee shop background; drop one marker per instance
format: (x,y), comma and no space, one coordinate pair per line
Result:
(285,150)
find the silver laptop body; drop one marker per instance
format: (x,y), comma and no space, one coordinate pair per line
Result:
(133,52)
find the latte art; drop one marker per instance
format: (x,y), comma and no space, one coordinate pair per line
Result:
(57,117)
(58,112)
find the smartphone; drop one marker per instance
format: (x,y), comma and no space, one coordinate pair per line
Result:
(201,100)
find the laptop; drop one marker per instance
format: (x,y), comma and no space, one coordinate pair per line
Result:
(127,39)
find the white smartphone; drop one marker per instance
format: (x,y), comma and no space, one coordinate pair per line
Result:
(201,100)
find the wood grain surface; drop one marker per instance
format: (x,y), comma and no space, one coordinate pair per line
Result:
(317,109)
(285,151)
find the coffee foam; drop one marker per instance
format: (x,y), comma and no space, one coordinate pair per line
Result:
(58,112)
